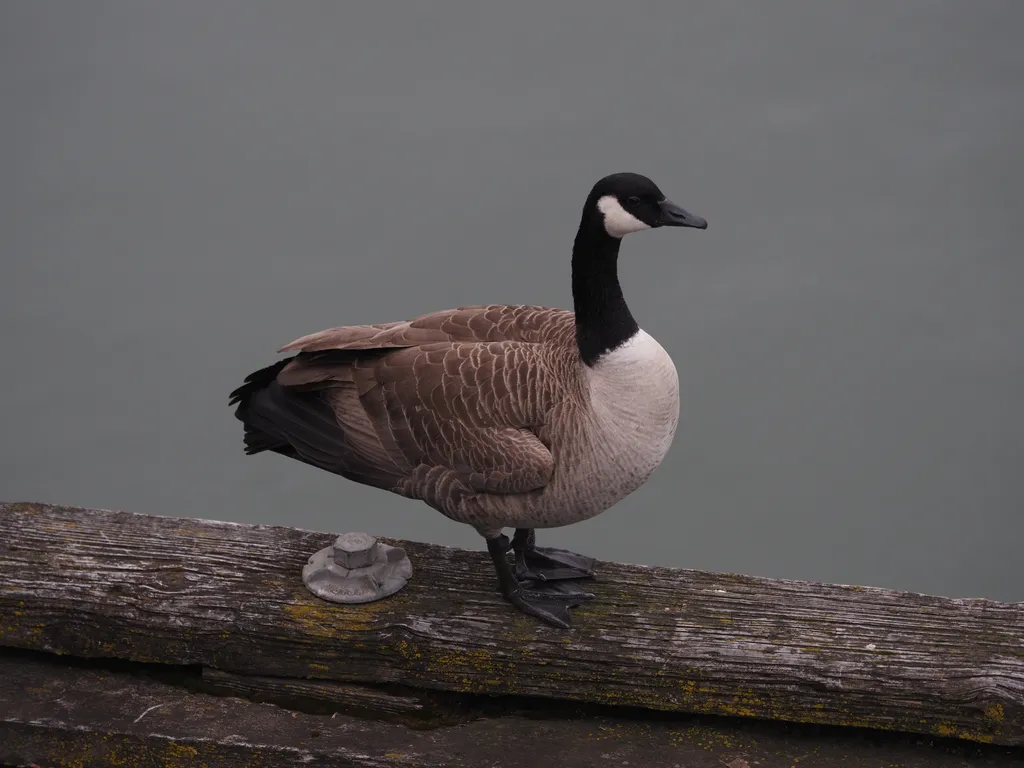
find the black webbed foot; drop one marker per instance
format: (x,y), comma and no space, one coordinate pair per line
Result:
(547,600)
(545,564)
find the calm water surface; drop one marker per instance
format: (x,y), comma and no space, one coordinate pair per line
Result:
(186,186)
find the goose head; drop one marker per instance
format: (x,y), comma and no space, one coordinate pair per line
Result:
(630,202)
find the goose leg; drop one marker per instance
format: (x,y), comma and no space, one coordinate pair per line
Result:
(545,563)
(549,602)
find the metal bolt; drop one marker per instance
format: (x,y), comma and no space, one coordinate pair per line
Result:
(356,568)
(355,550)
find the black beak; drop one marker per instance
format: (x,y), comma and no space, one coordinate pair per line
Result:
(674,216)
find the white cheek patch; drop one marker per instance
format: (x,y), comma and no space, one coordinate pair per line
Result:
(617,220)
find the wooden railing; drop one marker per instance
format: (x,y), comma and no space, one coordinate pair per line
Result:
(155,619)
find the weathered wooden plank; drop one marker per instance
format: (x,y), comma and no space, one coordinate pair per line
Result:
(173,590)
(61,716)
(319,695)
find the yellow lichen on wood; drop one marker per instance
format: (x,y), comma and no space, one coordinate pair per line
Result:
(184,753)
(954,731)
(322,619)
(452,665)
(995,712)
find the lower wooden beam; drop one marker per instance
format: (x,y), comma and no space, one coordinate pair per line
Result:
(58,715)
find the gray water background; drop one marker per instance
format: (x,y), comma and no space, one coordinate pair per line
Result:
(186,186)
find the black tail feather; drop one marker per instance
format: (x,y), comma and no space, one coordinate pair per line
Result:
(257,440)
(300,424)
(256,381)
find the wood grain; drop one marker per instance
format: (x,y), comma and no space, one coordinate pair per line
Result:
(173,590)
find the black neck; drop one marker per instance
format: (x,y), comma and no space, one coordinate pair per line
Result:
(603,321)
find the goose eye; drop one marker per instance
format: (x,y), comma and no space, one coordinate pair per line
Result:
(633,202)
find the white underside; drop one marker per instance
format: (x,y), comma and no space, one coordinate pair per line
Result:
(634,396)
(635,388)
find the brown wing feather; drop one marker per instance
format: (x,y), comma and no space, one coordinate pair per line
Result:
(472,401)
(493,322)
(465,407)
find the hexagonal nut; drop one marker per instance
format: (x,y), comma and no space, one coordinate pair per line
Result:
(355,550)
(329,580)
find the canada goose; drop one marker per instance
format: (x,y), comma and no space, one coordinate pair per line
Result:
(496,416)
